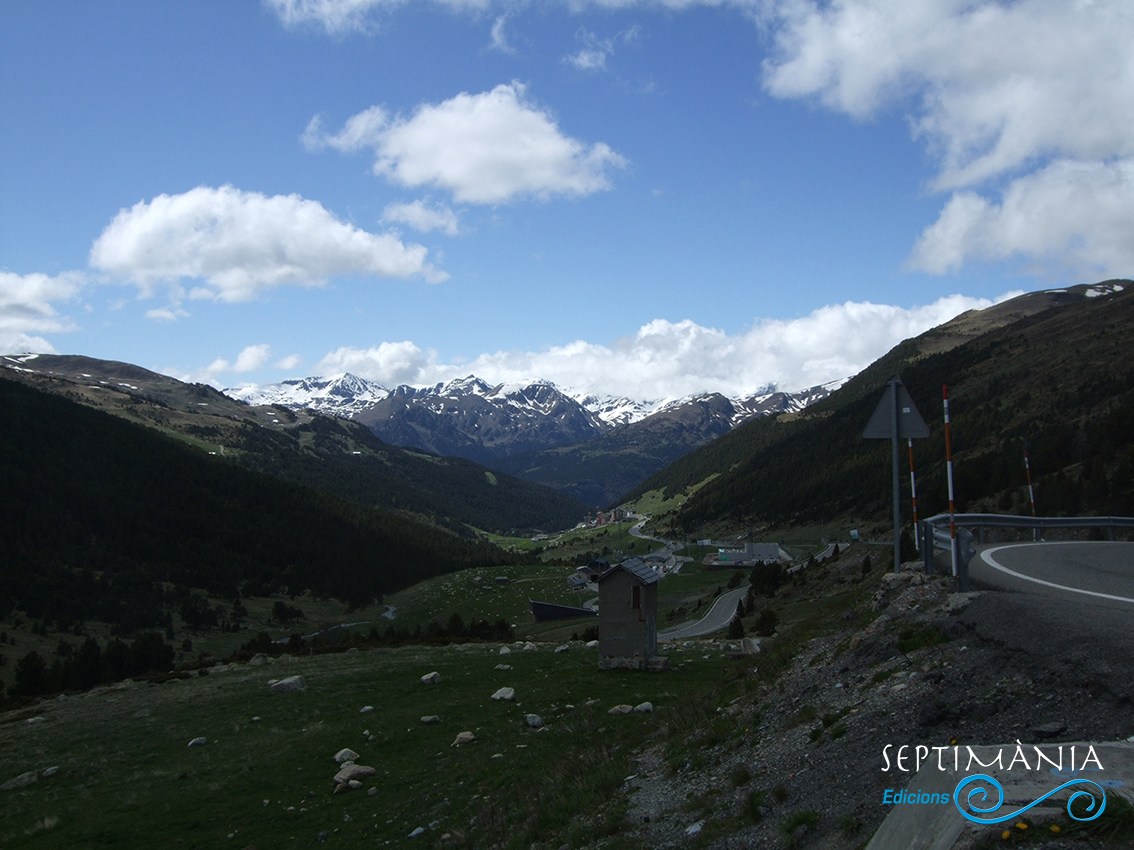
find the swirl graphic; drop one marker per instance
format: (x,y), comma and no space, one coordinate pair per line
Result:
(982,793)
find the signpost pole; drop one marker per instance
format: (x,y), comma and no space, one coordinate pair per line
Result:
(896,475)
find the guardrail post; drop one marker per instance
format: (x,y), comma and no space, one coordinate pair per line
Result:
(925,532)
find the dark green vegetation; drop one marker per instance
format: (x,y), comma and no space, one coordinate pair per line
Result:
(127,777)
(600,470)
(1050,371)
(106,520)
(322,452)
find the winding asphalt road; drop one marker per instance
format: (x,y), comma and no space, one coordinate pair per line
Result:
(718,617)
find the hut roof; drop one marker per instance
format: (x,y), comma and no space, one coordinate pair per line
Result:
(635,567)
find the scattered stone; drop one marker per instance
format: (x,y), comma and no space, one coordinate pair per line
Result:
(505,694)
(529,647)
(562,648)
(39,718)
(1049,730)
(354,771)
(354,785)
(256,719)
(430,719)
(372,792)
(505,650)
(352,650)
(289,685)
(198,742)
(644,707)
(258,660)
(346,754)
(433,678)
(503,666)
(51,771)
(695,829)
(417,832)
(463,738)
(498,755)
(141,712)
(21,781)
(750,646)
(534,721)
(621,709)
(366,709)
(592,644)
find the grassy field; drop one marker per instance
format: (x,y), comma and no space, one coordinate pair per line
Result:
(127,777)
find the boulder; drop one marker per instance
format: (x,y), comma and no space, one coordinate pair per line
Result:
(430,719)
(621,709)
(505,650)
(21,781)
(354,771)
(562,648)
(346,754)
(258,660)
(592,644)
(644,707)
(529,647)
(463,738)
(534,721)
(503,666)
(198,742)
(289,685)
(505,694)
(433,678)
(750,646)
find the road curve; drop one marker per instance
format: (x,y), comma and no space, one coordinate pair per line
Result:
(1101,572)
(718,617)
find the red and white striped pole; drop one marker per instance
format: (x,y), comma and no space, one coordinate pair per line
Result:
(949,471)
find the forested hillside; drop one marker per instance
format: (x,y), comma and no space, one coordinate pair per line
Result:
(330,454)
(96,512)
(1056,376)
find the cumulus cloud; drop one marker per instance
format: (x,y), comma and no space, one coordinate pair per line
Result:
(1031,101)
(27,309)
(423,218)
(289,362)
(486,148)
(241,243)
(390,363)
(665,359)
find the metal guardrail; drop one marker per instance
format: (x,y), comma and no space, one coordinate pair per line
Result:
(934,534)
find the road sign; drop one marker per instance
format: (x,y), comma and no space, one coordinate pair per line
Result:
(909,421)
(895,418)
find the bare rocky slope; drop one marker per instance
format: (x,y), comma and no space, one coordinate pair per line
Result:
(1009,667)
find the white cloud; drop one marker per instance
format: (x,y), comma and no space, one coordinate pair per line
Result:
(241,243)
(1033,100)
(390,363)
(339,17)
(252,357)
(289,362)
(423,218)
(665,359)
(26,309)
(592,56)
(1071,214)
(499,37)
(166,314)
(486,148)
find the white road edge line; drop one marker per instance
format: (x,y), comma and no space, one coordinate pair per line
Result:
(987,554)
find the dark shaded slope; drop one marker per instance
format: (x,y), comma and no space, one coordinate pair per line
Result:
(1060,379)
(95,511)
(334,455)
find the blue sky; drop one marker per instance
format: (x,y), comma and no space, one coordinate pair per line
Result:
(639,198)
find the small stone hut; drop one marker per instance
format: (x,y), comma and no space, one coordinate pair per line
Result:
(628,617)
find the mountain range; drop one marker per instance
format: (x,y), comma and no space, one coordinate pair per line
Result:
(593,448)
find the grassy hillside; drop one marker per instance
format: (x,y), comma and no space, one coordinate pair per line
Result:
(1050,373)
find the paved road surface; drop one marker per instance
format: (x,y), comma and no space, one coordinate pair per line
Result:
(1098,573)
(719,616)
